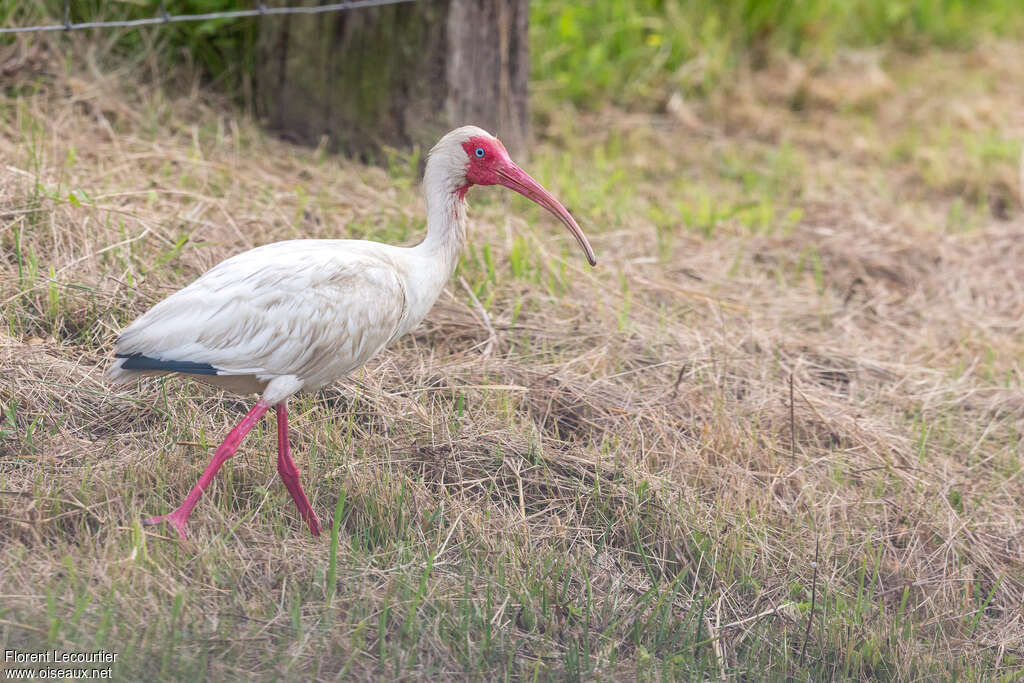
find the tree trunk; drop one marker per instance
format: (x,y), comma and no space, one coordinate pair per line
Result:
(398,75)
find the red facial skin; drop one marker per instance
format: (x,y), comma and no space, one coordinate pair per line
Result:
(481,171)
(496,168)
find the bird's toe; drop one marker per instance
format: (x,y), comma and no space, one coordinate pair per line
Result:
(172,519)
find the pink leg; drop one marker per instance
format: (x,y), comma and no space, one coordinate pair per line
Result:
(179,517)
(289,473)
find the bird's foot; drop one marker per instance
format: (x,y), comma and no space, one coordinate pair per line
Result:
(314,523)
(175,519)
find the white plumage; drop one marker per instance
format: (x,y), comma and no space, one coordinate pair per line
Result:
(307,310)
(298,315)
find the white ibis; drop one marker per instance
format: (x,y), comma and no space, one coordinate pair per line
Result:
(298,315)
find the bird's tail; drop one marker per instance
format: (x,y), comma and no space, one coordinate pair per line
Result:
(115,374)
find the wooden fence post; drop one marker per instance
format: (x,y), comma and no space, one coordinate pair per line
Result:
(398,75)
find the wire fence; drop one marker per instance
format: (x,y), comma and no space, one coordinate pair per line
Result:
(260,10)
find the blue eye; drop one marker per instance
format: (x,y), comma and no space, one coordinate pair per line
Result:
(479,152)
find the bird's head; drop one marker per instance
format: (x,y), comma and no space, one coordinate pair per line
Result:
(471,156)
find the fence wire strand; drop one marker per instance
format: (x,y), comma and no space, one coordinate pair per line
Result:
(165,18)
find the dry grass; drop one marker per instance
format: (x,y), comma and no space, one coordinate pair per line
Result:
(607,477)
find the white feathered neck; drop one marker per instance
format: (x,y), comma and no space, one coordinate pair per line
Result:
(444,180)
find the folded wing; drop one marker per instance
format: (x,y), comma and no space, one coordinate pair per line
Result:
(299,308)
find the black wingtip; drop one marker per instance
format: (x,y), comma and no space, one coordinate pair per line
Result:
(136,361)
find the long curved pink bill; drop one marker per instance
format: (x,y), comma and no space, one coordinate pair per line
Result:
(519,180)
